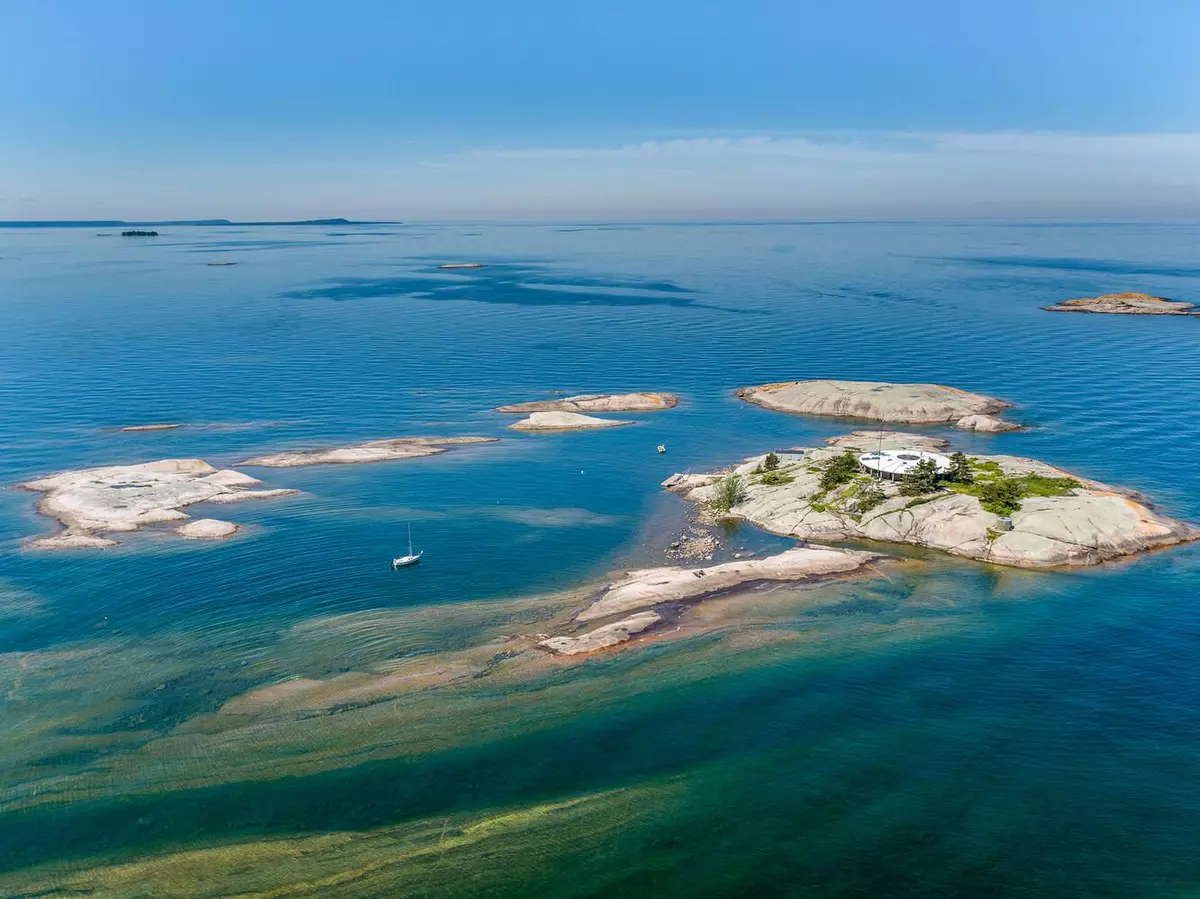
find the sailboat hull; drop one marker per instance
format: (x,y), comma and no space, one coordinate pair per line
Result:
(405,561)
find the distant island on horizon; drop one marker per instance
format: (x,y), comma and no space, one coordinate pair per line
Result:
(118,223)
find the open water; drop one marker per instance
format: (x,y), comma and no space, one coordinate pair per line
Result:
(949,729)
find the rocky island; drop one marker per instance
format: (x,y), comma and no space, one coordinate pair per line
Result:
(371,451)
(598,402)
(876,400)
(1003,509)
(658,595)
(93,502)
(1126,304)
(565,421)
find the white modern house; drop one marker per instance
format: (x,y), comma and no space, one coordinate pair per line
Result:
(895,464)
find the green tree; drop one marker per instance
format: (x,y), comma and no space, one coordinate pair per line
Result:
(960,469)
(839,470)
(1001,496)
(924,478)
(728,493)
(771,462)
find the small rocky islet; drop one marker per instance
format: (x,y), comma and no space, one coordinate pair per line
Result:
(565,421)
(569,413)
(598,402)
(1126,304)
(92,503)
(882,401)
(387,450)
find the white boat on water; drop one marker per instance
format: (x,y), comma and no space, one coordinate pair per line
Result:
(412,558)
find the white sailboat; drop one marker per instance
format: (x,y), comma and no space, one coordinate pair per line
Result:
(412,558)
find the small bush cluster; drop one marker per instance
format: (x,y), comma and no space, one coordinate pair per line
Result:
(728,493)
(1003,495)
(773,478)
(868,498)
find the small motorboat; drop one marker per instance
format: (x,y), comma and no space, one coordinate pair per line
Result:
(412,558)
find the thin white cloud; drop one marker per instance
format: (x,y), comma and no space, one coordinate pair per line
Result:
(917,174)
(837,174)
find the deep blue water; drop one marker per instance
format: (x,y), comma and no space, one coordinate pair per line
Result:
(1044,745)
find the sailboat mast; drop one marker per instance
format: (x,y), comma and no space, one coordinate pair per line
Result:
(410,552)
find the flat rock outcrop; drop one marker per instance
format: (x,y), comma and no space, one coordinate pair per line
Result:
(207,529)
(1125,304)
(598,402)
(876,400)
(603,637)
(1084,523)
(371,451)
(564,421)
(93,502)
(654,586)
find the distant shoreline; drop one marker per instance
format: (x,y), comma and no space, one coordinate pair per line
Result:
(118,223)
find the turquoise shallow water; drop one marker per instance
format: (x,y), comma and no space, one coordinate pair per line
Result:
(958,730)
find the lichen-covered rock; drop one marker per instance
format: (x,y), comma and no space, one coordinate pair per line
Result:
(598,402)
(872,399)
(565,421)
(1125,304)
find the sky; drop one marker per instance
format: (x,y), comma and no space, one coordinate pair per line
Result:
(622,109)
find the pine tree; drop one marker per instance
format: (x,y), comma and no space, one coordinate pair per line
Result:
(960,469)
(922,479)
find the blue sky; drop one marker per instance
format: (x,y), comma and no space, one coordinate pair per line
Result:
(530,109)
